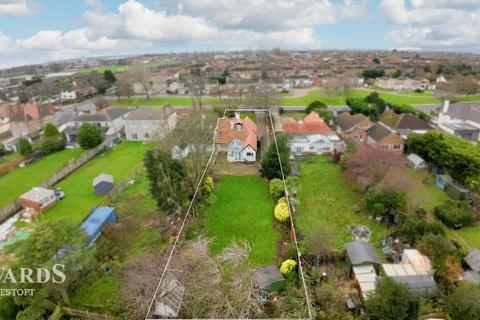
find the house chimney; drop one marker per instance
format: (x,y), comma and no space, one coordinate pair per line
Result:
(446,105)
(237,115)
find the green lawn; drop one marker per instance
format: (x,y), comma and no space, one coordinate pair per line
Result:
(336,99)
(79,194)
(135,202)
(244,211)
(326,200)
(468,236)
(20,180)
(161,101)
(423,191)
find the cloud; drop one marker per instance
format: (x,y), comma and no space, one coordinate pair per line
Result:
(96,5)
(437,24)
(5,43)
(77,39)
(268,15)
(17,8)
(223,24)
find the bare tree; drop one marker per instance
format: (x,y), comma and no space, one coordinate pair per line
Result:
(368,166)
(141,76)
(194,134)
(263,96)
(218,286)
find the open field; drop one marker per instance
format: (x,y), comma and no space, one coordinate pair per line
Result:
(80,197)
(244,211)
(331,99)
(326,200)
(20,180)
(120,68)
(337,99)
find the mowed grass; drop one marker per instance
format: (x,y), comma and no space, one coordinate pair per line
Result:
(326,200)
(161,101)
(20,180)
(338,99)
(244,212)
(80,197)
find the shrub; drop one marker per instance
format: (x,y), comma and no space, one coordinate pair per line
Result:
(414,228)
(454,213)
(463,302)
(24,146)
(52,145)
(287,267)
(208,185)
(270,162)
(281,212)
(382,201)
(89,136)
(276,189)
(51,131)
(282,200)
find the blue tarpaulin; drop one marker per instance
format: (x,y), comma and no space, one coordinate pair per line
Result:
(97,220)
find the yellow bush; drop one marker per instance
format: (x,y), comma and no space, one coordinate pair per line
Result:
(288,266)
(281,211)
(208,185)
(282,200)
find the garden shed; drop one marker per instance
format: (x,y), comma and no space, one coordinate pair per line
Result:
(269,278)
(457,192)
(103,184)
(38,198)
(472,260)
(417,281)
(98,219)
(366,278)
(416,162)
(360,252)
(443,180)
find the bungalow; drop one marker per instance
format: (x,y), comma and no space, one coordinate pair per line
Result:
(238,137)
(352,126)
(460,119)
(311,135)
(383,137)
(149,123)
(404,124)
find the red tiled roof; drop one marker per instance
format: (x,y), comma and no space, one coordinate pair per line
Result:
(310,124)
(247,135)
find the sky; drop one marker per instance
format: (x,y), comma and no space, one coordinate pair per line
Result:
(33,31)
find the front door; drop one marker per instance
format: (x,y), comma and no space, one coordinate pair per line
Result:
(238,156)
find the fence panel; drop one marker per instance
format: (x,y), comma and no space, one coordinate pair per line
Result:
(15,206)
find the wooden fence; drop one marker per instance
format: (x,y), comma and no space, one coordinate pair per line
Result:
(11,165)
(15,206)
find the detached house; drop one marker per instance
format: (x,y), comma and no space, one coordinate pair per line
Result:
(352,126)
(404,124)
(238,137)
(311,135)
(149,123)
(381,136)
(460,119)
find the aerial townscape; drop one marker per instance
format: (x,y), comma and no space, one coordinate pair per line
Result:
(149,172)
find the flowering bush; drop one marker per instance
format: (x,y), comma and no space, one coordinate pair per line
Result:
(282,200)
(208,185)
(281,211)
(287,267)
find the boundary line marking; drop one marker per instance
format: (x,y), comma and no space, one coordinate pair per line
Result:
(193,200)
